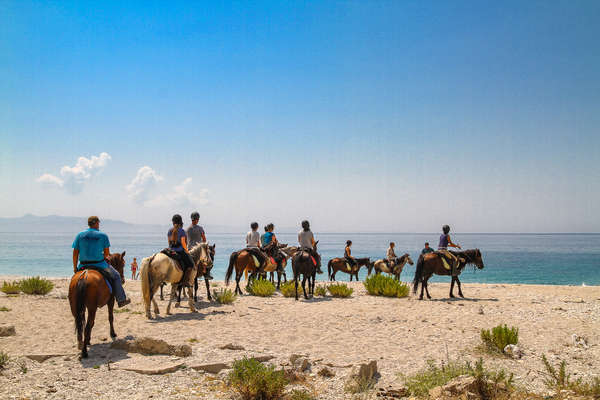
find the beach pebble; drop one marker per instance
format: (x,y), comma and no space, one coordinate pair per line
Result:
(513,351)
(7,330)
(579,341)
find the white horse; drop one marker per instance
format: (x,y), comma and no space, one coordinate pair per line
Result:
(395,266)
(161,268)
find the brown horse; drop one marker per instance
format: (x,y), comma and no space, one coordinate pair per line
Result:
(341,264)
(396,267)
(89,290)
(244,261)
(306,265)
(431,263)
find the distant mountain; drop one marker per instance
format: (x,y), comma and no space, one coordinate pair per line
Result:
(57,223)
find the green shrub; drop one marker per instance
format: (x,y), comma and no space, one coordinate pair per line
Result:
(288,289)
(224,296)
(3,359)
(121,310)
(36,285)
(321,290)
(300,395)
(11,287)
(339,290)
(380,285)
(4,308)
(561,380)
(261,287)
(253,380)
(499,337)
(488,382)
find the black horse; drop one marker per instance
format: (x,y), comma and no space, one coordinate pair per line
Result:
(432,263)
(303,263)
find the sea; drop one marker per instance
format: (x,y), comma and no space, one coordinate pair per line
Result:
(548,259)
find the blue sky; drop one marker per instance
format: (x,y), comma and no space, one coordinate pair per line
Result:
(361,116)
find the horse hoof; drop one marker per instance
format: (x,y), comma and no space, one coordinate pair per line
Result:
(84,355)
(113,335)
(177,305)
(79,346)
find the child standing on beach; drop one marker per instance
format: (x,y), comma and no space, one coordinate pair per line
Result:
(134,267)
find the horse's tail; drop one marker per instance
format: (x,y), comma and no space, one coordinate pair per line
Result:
(418,273)
(232,259)
(146,277)
(329,268)
(370,266)
(80,304)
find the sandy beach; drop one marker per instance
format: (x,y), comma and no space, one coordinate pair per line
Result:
(400,334)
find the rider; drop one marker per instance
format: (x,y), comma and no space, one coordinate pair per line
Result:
(90,248)
(446,242)
(306,240)
(178,243)
(253,242)
(348,254)
(427,249)
(390,255)
(195,234)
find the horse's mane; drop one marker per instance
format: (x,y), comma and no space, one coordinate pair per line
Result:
(469,255)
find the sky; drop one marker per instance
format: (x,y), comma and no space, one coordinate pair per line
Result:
(389,116)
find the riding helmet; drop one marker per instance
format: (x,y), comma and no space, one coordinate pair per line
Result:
(177,219)
(446,229)
(195,215)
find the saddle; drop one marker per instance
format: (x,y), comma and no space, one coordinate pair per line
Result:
(451,264)
(174,256)
(102,271)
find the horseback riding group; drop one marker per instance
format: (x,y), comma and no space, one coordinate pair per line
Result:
(98,275)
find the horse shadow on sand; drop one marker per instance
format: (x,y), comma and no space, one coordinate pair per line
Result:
(102,353)
(459,299)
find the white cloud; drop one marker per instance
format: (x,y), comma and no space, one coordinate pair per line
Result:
(74,178)
(142,185)
(180,196)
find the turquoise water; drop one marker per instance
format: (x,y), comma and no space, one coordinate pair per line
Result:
(554,259)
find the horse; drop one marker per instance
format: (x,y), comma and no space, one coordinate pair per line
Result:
(340,264)
(244,262)
(89,290)
(286,252)
(211,253)
(431,263)
(396,267)
(161,268)
(306,265)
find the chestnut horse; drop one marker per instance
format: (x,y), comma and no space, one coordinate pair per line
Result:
(396,267)
(431,263)
(243,261)
(89,290)
(339,264)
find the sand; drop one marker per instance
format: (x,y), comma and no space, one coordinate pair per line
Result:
(400,334)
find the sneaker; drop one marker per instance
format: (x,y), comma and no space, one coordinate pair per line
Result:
(123,303)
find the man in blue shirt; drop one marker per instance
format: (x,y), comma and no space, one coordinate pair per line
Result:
(90,248)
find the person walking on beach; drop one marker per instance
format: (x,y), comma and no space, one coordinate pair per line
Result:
(134,266)
(177,239)
(91,248)
(348,254)
(195,234)
(306,240)
(427,249)
(390,255)
(443,245)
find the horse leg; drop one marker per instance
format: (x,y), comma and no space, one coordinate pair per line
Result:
(460,293)
(296,285)
(178,303)
(452,287)
(171,298)
(304,286)
(422,288)
(111,305)
(88,330)
(427,288)
(278,279)
(196,288)
(237,282)
(208,296)
(333,275)
(162,298)
(191,302)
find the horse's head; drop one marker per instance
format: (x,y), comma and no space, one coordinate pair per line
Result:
(117,260)
(408,259)
(201,254)
(473,256)
(478,259)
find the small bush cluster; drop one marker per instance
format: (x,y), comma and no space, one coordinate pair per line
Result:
(320,290)
(4,308)
(358,384)
(300,395)
(380,285)
(253,380)
(499,337)
(36,285)
(489,383)
(3,359)
(11,287)
(339,290)
(561,380)
(261,287)
(288,289)
(224,296)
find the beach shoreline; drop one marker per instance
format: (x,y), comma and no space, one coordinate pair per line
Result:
(400,334)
